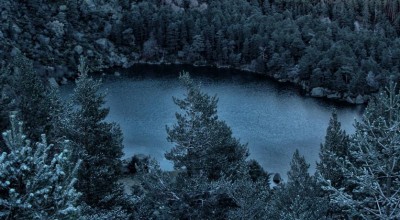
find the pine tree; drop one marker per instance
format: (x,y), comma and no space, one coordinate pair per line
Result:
(99,142)
(6,102)
(204,144)
(373,176)
(298,174)
(300,197)
(165,196)
(38,105)
(34,182)
(197,48)
(334,150)
(172,36)
(332,156)
(251,196)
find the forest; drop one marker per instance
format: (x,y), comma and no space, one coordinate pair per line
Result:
(62,160)
(344,49)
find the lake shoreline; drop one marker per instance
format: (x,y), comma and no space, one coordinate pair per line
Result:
(317,92)
(274,119)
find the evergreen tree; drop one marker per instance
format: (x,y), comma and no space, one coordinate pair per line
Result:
(298,173)
(204,144)
(252,196)
(374,174)
(332,156)
(257,173)
(38,105)
(172,37)
(197,48)
(98,142)
(6,102)
(164,196)
(35,183)
(333,151)
(301,197)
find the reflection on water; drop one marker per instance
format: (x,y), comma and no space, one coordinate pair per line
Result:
(274,119)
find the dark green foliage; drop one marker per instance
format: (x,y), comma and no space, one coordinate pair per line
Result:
(323,44)
(99,143)
(252,199)
(316,43)
(332,156)
(201,199)
(351,47)
(372,173)
(333,152)
(102,214)
(298,173)
(169,195)
(7,102)
(32,103)
(212,179)
(38,105)
(301,197)
(164,196)
(204,144)
(257,173)
(138,163)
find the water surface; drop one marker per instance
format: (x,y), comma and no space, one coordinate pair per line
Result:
(274,119)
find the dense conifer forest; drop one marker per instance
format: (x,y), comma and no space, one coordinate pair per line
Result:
(62,160)
(342,49)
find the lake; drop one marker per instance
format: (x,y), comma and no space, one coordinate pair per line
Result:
(273,118)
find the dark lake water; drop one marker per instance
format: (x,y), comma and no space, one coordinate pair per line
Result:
(274,119)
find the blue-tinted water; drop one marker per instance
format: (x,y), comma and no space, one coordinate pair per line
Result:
(274,119)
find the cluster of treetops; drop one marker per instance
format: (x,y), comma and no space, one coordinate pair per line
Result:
(346,46)
(349,46)
(62,160)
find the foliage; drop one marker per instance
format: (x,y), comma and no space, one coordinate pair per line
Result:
(333,152)
(301,197)
(334,44)
(322,44)
(373,174)
(36,183)
(252,197)
(351,47)
(98,143)
(204,144)
(332,156)
(257,172)
(138,163)
(169,195)
(38,105)
(212,180)
(103,214)
(6,102)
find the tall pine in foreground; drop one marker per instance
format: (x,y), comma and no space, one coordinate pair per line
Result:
(374,172)
(98,143)
(333,151)
(203,143)
(35,182)
(299,198)
(332,156)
